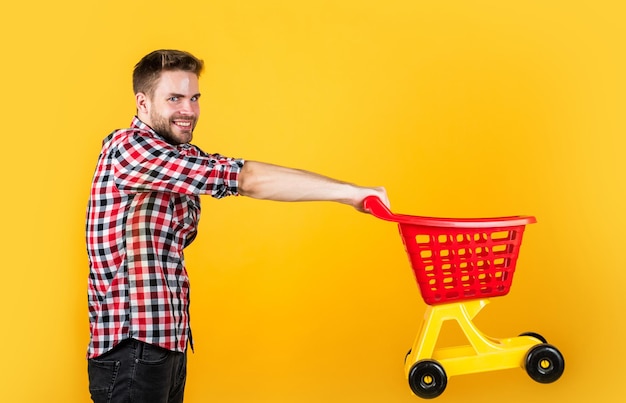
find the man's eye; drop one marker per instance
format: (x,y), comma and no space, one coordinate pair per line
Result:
(173,99)
(194,99)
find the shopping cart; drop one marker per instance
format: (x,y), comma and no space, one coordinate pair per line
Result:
(459,264)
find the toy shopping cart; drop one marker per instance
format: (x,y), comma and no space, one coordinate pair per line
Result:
(459,264)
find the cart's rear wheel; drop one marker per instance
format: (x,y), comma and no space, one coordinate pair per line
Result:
(545,363)
(427,379)
(535,335)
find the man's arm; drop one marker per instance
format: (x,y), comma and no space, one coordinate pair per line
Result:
(272,182)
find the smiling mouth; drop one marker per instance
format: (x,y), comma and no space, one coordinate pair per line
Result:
(183,124)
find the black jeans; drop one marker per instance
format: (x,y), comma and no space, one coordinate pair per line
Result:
(137,372)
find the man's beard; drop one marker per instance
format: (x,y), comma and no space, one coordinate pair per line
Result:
(163,126)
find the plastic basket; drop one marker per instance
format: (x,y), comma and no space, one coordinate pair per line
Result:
(458,259)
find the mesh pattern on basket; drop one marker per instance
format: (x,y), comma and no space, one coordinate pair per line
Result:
(455,264)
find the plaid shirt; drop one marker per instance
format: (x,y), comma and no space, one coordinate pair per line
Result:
(143,211)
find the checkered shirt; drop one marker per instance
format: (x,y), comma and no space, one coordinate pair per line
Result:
(143,211)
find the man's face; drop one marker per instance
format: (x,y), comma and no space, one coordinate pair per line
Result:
(173,110)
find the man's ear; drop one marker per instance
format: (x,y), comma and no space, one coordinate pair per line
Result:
(141,100)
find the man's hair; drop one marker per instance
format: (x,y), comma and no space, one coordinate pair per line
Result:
(148,71)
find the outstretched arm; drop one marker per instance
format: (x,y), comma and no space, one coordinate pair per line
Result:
(273,182)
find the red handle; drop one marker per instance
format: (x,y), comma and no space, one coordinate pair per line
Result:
(378,209)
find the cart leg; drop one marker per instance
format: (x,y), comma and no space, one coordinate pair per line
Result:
(426,339)
(434,316)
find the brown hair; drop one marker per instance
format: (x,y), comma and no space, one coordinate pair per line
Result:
(148,70)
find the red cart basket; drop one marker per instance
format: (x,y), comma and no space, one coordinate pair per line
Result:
(458,259)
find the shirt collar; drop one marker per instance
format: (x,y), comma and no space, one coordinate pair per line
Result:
(138,124)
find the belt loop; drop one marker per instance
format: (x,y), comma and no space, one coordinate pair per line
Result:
(138,350)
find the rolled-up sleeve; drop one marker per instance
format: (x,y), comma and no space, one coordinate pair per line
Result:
(145,163)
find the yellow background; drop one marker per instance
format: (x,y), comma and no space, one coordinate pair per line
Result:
(459,108)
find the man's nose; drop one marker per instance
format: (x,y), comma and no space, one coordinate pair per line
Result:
(187,107)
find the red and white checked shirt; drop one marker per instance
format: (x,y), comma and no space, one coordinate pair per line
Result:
(143,211)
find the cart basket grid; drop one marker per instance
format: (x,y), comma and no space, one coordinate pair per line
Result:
(453,264)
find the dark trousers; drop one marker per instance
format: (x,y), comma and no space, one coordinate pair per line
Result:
(136,372)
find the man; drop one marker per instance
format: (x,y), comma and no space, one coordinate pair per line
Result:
(143,211)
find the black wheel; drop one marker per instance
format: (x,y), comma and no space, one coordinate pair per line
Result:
(545,363)
(427,379)
(535,335)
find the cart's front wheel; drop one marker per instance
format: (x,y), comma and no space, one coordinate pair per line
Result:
(427,379)
(545,363)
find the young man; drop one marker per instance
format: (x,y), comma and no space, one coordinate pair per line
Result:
(143,211)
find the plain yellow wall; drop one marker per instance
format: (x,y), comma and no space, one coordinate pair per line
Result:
(459,108)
